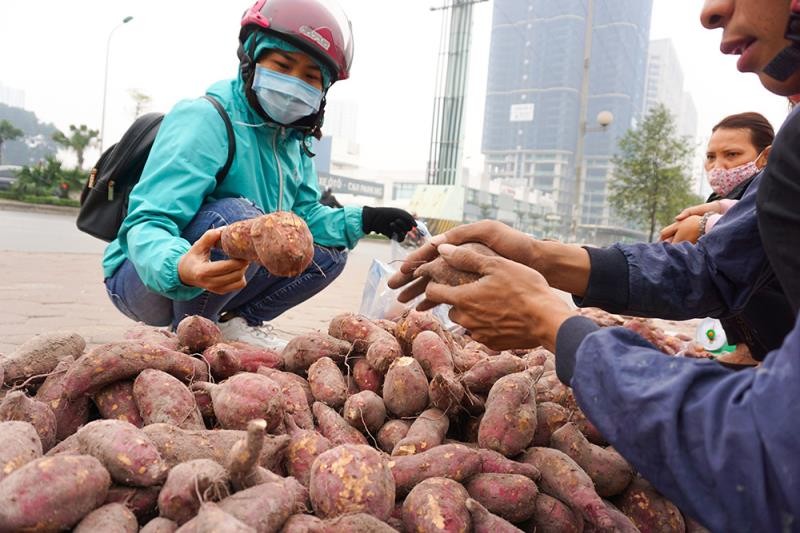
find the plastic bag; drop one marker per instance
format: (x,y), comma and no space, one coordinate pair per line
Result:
(378,301)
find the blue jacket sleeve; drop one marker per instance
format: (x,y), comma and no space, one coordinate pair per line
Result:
(715,277)
(722,445)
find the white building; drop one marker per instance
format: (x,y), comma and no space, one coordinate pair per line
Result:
(664,85)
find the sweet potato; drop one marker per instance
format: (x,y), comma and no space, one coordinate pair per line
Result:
(188,485)
(265,507)
(537,357)
(435,357)
(159,525)
(483,521)
(365,411)
(251,357)
(411,323)
(588,429)
(162,398)
(465,358)
(483,375)
(244,397)
(301,523)
(116,402)
(352,523)
(437,504)
(110,517)
(283,243)
(222,360)
(549,417)
(493,462)
(127,453)
(295,402)
(551,515)
(108,363)
(351,479)
(242,462)
(509,422)
(454,461)
(303,350)
(40,355)
(327,383)
(550,389)
(52,493)
(441,272)
(405,388)
(648,510)
(366,377)
(509,496)
(236,241)
(379,346)
(179,445)
(304,447)
(391,433)
(334,427)
(142,501)
(212,519)
(609,471)
(69,415)
(622,524)
(565,480)
(19,445)
(196,333)
(17,406)
(427,431)
(151,335)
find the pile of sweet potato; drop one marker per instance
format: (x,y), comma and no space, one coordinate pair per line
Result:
(369,426)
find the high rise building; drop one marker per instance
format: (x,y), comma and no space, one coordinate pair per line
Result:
(665,86)
(12,97)
(531,122)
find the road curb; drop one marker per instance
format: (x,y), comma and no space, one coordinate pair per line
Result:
(11,205)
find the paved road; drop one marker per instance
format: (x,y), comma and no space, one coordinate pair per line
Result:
(50,279)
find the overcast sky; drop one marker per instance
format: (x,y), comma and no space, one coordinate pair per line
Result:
(54,50)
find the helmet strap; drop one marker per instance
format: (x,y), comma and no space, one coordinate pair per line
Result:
(787,62)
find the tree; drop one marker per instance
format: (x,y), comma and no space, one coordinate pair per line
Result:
(142,101)
(37,140)
(651,179)
(80,138)
(8,132)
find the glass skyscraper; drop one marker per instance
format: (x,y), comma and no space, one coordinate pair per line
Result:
(531,120)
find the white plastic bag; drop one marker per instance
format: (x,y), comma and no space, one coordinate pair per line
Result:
(378,301)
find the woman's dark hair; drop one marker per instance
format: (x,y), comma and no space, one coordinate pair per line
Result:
(761,132)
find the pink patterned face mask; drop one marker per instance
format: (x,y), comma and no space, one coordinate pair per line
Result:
(724,180)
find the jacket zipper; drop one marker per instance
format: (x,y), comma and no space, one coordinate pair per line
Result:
(278,131)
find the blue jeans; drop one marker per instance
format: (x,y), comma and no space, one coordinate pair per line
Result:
(263,298)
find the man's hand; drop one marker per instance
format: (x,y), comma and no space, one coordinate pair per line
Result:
(687,229)
(196,269)
(389,221)
(499,237)
(510,306)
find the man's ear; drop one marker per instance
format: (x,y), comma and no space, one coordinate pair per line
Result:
(761,162)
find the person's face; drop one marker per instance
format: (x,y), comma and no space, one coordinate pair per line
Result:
(730,148)
(753,29)
(295,64)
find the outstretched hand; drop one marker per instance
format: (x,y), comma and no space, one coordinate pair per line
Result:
(504,240)
(196,269)
(510,306)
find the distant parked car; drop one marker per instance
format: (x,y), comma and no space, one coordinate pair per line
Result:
(8,175)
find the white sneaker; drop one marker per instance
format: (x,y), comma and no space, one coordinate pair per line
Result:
(236,329)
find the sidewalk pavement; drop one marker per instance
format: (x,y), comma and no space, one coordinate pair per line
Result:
(45,292)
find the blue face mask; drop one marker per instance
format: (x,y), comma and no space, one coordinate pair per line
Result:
(284,98)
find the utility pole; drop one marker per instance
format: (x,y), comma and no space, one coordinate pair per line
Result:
(447,129)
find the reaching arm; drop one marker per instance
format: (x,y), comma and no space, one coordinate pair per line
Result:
(720,444)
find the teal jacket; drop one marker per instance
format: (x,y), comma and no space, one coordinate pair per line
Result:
(179,176)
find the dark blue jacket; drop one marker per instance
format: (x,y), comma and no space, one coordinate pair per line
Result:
(723,445)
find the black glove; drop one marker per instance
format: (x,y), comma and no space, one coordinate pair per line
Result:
(390,221)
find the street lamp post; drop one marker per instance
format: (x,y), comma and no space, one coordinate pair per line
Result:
(105,81)
(604,119)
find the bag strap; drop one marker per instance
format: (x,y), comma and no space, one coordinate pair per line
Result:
(231,139)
